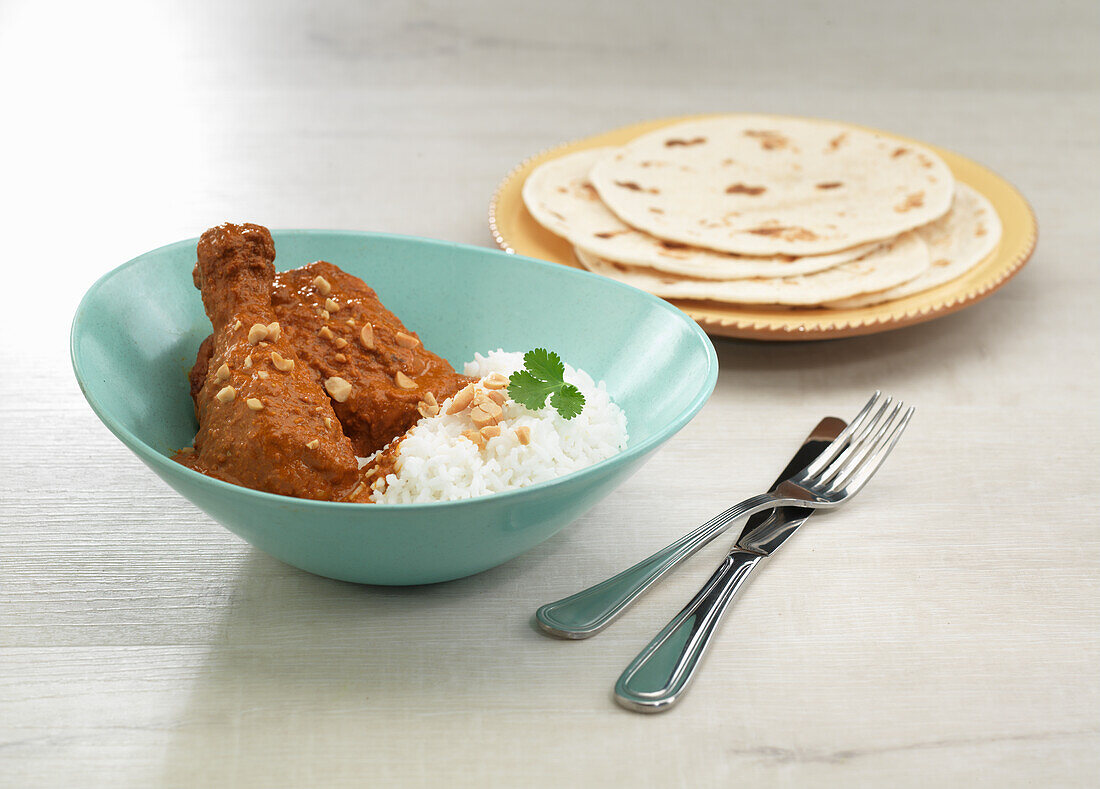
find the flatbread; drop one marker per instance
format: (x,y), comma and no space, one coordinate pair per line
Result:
(560,198)
(956,243)
(898,261)
(769,185)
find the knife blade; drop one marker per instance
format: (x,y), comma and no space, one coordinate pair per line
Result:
(766,531)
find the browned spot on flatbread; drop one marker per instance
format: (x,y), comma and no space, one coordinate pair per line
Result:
(899,152)
(925,162)
(784,232)
(915,200)
(556,215)
(589,191)
(673,245)
(672,143)
(728,162)
(837,141)
(743,189)
(941,262)
(655,210)
(610,233)
(563,190)
(830,185)
(769,140)
(980,230)
(636,187)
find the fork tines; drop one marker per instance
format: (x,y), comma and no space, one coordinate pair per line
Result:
(856,454)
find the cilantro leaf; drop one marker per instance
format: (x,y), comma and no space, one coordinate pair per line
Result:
(529,391)
(568,400)
(544,376)
(544,365)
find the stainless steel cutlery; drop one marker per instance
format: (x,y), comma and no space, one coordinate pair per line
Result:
(823,475)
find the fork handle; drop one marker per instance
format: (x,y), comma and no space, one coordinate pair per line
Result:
(591,610)
(657,677)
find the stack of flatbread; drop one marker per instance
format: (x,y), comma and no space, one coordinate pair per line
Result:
(766,210)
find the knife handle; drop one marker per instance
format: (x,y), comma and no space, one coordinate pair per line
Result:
(661,672)
(591,610)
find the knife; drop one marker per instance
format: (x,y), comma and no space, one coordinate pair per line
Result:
(661,673)
(591,610)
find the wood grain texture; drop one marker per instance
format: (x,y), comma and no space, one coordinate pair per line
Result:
(943,629)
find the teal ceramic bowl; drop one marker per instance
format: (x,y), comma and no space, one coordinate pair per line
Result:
(136,332)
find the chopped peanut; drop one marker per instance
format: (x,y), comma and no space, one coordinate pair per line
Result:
(480,416)
(490,431)
(254,403)
(427,410)
(324,314)
(523,434)
(331,305)
(404,381)
(497,396)
(350,322)
(313,444)
(429,398)
(406,340)
(326,332)
(338,388)
(248,362)
(340,342)
(476,437)
(274,331)
(322,285)
(280,362)
(494,381)
(187,451)
(462,400)
(262,374)
(222,374)
(237,324)
(340,357)
(257,332)
(328,422)
(366,336)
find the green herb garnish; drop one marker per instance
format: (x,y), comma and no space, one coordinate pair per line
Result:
(544,376)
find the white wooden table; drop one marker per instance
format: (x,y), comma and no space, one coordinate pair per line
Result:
(943,630)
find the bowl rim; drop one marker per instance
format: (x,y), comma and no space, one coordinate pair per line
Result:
(157,460)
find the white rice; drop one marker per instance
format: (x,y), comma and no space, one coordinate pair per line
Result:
(437,463)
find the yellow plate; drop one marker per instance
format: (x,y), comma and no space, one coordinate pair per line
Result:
(515,230)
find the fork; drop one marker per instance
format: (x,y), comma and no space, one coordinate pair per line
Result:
(838,473)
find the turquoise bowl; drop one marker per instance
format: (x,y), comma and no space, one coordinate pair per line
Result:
(137,329)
